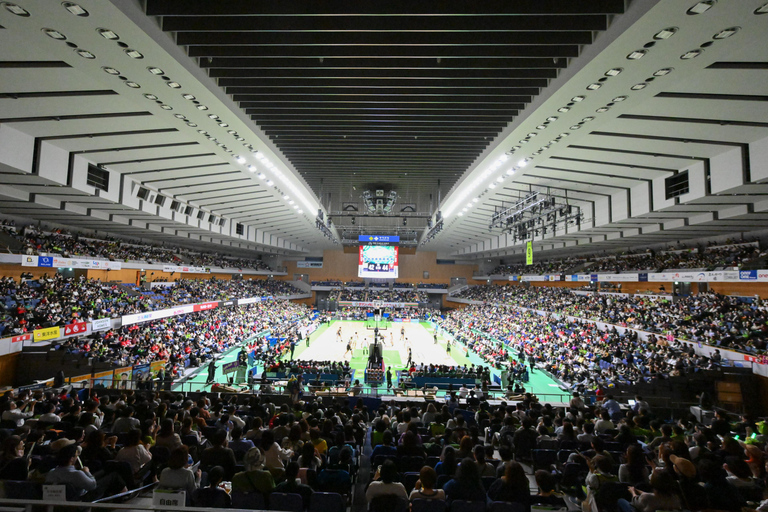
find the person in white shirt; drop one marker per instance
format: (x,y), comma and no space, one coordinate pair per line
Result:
(463,391)
(19,414)
(49,416)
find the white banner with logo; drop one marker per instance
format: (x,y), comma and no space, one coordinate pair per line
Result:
(184,270)
(101,324)
(156,315)
(361,304)
(59,262)
(617,277)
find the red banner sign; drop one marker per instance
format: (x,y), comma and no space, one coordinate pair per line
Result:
(76,328)
(23,337)
(205,306)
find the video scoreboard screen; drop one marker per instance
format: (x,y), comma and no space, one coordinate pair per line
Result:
(377,261)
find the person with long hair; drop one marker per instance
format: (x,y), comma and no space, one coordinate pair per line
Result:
(512,487)
(178,475)
(384,483)
(466,485)
(448,462)
(635,470)
(166,436)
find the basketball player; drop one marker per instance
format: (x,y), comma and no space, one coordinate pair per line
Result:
(391,339)
(349,348)
(402,333)
(410,358)
(354,341)
(338,335)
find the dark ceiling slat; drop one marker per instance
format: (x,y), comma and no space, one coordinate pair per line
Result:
(423,73)
(415,115)
(445,53)
(480,23)
(252,85)
(328,91)
(248,7)
(214,40)
(388,99)
(278,61)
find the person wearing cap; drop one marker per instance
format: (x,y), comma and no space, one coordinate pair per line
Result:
(255,478)
(688,484)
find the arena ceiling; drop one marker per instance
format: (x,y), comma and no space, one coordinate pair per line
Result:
(440,105)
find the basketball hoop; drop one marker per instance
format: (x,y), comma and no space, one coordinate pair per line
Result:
(377,304)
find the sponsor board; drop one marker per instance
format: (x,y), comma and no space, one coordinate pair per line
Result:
(20,337)
(205,306)
(101,324)
(49,333)
(75,329)
(230,367)
(186,269)
(361,304)
(59,262)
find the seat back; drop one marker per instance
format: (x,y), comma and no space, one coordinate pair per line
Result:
(288,502)
(442,480)
(248,500)
(387,503)
(543,458)
(422,505)
(467,506)
(327,502)
(488,482)
(409,481)
(505,506)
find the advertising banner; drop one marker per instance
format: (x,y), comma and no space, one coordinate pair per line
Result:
(75,329)
(21,337)
(230,367)
(361,304)
(46,334)
(184,269)
(618,277)
(249,300)
(204,306)
(102,324)
(59,262)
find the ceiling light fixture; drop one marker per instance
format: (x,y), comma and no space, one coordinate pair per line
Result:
(133,85)
(173,85)
(665,33)
(179,116)
(500,179)
(188,96)
(602,110)
(541,127)
(691,54)
(595,86)
(587,119)
(134,54)
(763,9)
(663,71)
(252,168)
(638,87)
(270,182)
(16,9)
(475,199)
(155,71)
(578,98)
(111,71)
(108,34)
(511,171)
(191,124)
(563,109)
(523,162)
(701,7)
(202,107)
(75,9)
(614,71)
(726,33)
(166,107)
(564,134)
(85,54)
(54,34)
(262,176)
(618,99)
(492,185)
(239,159)
(150,96)
(637,54)
(575,127)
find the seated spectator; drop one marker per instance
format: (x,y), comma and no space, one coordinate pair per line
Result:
(177,475)
(486,468)
(547,494)
(255,478)
(14,465)
(448,462)
(212,496)
(219,455)
(166,436)
(293,485)
(466,485)
(81,480)
(635,470)
(134,452)
(662,497)
(512,487)
(384,483)
(425,486)
(274,455)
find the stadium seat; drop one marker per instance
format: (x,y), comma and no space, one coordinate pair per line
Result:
(248,500)
(467,506)
(326,502)
(421,505)
(286,502)
(388,503)
(488,482)
(542,459)
(409,481)
(442,480)
(505,506)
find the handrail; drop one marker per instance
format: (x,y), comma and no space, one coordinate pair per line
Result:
(28,504)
